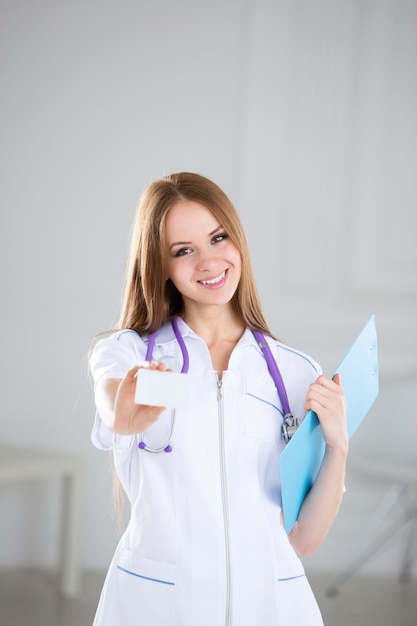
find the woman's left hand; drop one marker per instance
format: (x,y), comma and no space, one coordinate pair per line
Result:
(326,398)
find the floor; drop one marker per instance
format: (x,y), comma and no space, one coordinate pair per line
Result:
(31,598)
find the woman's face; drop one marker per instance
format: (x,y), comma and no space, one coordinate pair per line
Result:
(203,263)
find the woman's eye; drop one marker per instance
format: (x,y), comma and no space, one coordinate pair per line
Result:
(182,252)
(220,237)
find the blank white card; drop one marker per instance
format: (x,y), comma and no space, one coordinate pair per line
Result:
(156,388)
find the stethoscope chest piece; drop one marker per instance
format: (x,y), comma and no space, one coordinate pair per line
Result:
(289,427)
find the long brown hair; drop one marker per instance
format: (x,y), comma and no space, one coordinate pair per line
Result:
(150,300)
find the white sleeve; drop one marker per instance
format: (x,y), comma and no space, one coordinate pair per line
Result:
(113,357)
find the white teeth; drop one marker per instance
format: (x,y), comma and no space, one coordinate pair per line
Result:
(213,281)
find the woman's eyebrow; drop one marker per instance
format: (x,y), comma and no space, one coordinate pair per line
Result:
(179,243)
(213,232)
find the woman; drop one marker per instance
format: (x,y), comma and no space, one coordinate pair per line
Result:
(205,544)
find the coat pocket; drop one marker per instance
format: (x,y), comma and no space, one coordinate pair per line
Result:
(263,412)
(137,590)
(296,604)
(147,569)
(289,569)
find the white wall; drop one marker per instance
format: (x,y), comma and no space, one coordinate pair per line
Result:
(304,112)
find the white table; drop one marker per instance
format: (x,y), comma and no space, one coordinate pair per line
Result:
(19,465)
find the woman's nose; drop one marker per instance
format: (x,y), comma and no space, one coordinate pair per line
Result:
(207,259)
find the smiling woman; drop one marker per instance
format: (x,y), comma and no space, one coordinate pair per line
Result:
(151,296)
(203,262)
(206,519)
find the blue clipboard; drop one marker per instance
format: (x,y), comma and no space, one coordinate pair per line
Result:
(300,461)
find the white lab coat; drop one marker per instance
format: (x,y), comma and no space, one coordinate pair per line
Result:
(205,545)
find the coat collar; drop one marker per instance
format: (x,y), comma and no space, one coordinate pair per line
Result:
(166,335)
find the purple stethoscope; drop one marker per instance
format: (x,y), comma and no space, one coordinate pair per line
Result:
(290,423)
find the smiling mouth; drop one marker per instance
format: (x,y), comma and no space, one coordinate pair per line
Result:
(214,281)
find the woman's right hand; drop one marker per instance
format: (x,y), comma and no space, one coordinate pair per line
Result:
(115,401)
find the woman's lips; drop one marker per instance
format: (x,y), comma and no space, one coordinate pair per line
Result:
(215,282)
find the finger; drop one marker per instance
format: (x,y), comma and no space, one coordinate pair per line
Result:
(336,379)
(319,392)
(326,382)
(326,386)
(160,366)
(154,365)
(153,409)
(323,393)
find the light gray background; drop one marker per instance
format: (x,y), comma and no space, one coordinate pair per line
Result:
(303,111)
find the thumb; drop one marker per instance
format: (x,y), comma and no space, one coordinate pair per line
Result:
(336,379)
(131,374)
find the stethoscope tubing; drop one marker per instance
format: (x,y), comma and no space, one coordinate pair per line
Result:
(181,342)
(273,370)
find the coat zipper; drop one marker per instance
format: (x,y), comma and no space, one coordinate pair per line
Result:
(228,613)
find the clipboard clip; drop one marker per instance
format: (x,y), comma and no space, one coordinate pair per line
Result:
(289,427)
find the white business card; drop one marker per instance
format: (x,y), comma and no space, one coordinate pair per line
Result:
(156,388)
